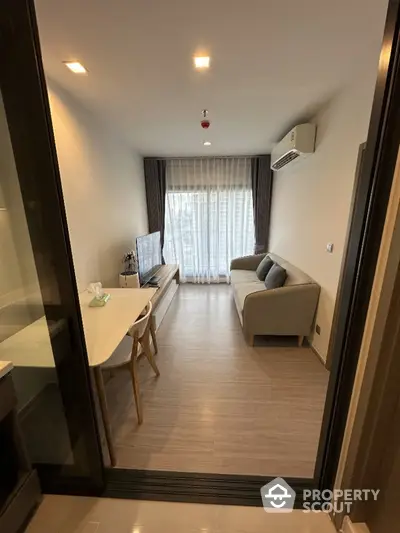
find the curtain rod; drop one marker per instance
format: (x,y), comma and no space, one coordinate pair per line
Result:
(206,157)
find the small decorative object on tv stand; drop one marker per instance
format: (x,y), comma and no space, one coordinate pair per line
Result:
(129,278)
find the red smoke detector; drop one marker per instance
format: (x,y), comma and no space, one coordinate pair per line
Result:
(205,123)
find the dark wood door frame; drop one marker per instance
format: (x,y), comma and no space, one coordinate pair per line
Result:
(363,245)
(375,438)
(353,296)
(377,375)
(27,109)
(379,444)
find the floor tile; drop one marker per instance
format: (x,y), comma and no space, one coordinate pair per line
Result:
(72,514)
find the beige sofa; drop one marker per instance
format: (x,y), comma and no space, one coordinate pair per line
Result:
(289,310)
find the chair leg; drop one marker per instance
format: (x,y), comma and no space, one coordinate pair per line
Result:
(104,413)
(153,334)
(301,340)
(136,390)
(145,342)
(134,377)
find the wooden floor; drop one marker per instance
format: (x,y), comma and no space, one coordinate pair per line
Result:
(219,405)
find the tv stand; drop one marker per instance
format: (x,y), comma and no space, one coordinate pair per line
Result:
(167,284)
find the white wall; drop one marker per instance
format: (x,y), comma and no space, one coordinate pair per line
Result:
(103,186)
(311,198)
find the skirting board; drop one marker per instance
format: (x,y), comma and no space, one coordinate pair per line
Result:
(349,527)
(317,354)
(164,303)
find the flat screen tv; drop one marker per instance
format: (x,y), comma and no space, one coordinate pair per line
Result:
(148,250)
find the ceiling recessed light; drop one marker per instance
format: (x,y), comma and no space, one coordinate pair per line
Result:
(201,61)
(207,143)
(75,67)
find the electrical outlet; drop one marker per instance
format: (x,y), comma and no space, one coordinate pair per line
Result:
(317,330)
(329,247)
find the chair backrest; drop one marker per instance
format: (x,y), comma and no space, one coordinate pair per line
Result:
(139,327)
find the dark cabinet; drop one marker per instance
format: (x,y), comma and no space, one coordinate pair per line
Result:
(19,484)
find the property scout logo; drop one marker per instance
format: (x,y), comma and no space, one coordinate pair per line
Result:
(279,497)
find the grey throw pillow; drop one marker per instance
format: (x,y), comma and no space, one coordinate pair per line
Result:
(264,267)
(276,277)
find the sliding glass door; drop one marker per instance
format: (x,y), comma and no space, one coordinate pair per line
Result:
(208,216)
(40,325)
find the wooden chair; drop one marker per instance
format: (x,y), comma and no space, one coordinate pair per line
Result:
(122,358)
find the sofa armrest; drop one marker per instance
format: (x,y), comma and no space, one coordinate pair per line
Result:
(248,262)
(288,310)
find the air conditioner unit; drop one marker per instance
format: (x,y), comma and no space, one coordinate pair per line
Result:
(299,142)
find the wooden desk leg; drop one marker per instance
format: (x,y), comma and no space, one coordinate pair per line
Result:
(104,412)
(153,334)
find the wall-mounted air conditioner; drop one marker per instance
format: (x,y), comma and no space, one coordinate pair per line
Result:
(299,142)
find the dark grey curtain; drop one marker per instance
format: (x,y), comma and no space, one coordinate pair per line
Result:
(154,175)
(261,182)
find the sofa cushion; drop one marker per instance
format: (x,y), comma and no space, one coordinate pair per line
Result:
(241,290)
(264,267)
(243,276)
(276,277)
(295,276)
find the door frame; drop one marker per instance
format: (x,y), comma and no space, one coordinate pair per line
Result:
(361,256)
(376,453)
(27,109)
(351,306)
(377,392)
(358,269)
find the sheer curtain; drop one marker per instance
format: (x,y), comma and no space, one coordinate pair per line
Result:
(208,216)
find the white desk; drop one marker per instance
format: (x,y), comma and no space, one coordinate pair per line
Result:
(5,368)
(104,328)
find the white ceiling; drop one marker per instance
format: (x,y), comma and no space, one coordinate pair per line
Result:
(273,63)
